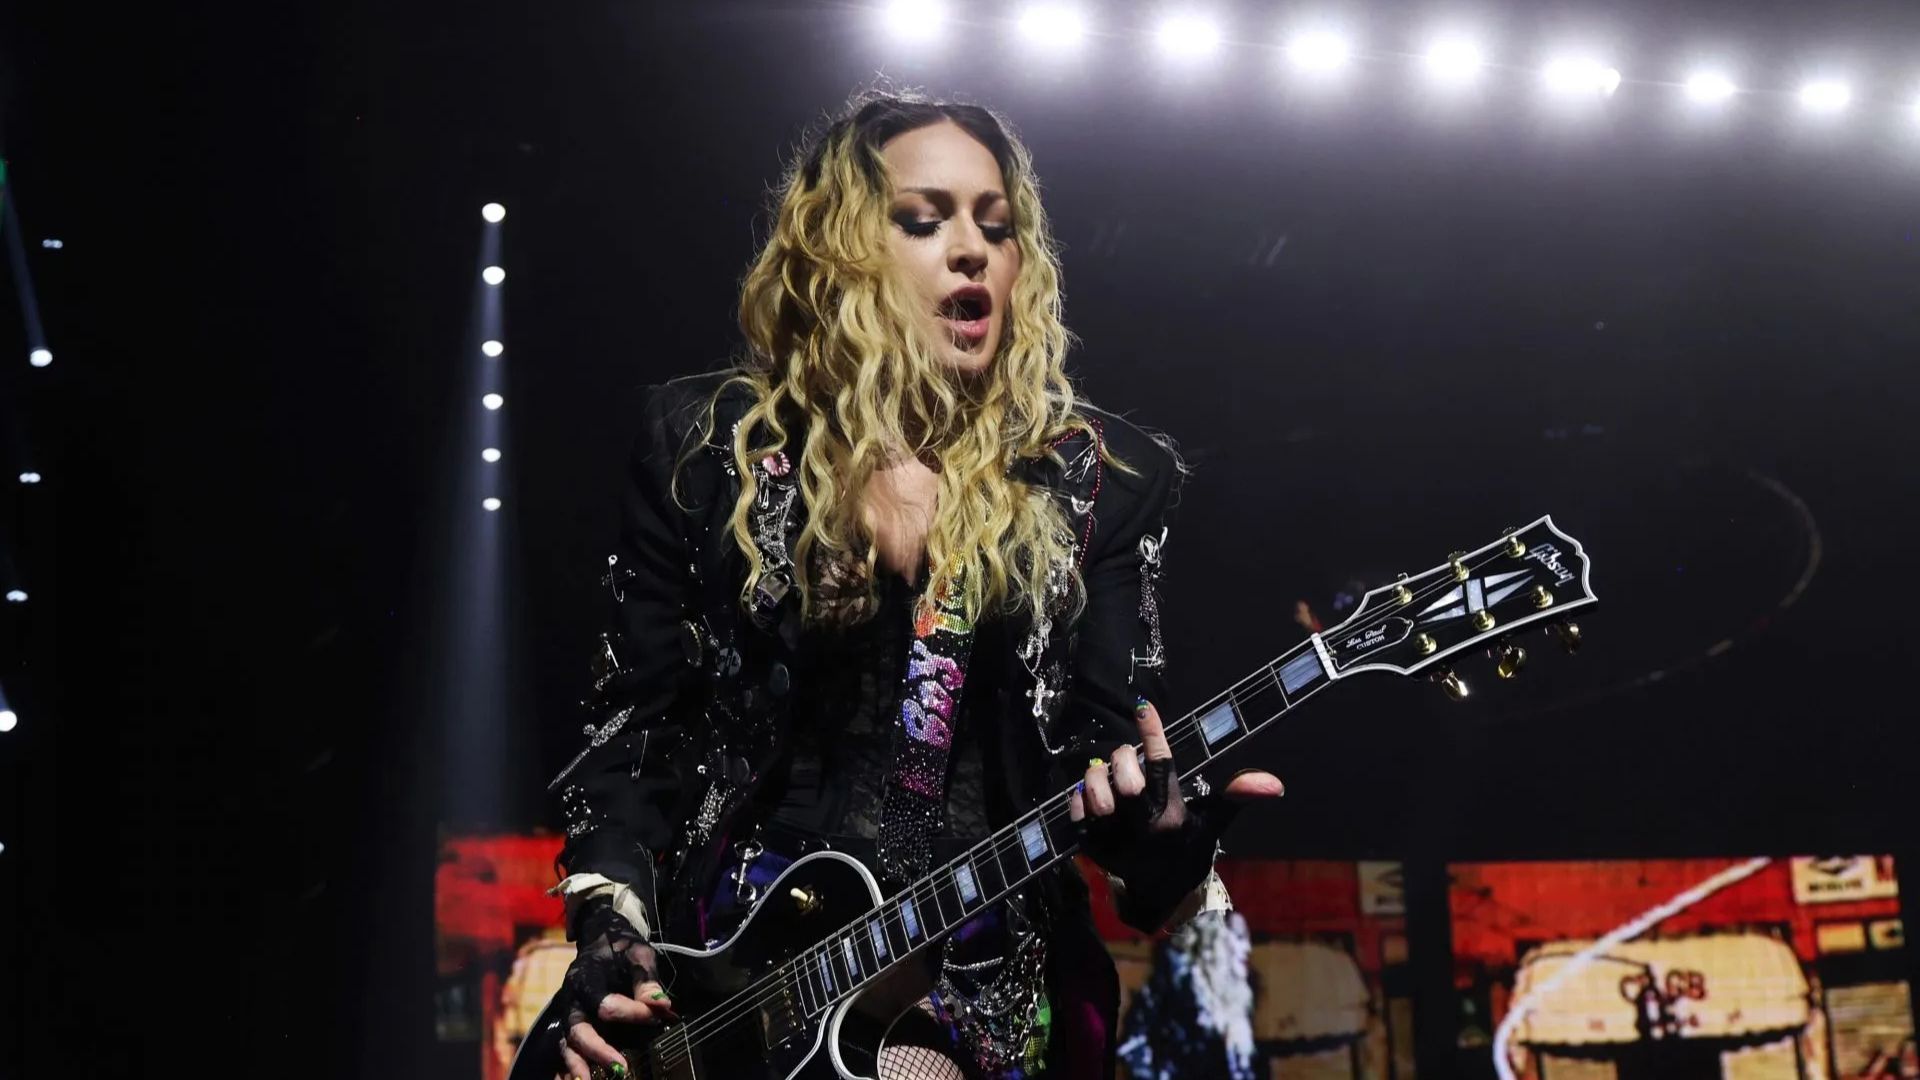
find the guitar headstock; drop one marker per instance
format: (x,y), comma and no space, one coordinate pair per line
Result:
(1476,599)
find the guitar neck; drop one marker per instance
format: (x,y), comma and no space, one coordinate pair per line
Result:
(932,908)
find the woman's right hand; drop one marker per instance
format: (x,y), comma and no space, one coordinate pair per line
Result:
(613,980)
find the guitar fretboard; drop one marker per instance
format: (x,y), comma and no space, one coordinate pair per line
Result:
(930,909)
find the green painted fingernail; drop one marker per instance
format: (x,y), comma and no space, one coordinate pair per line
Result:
(1096,763)
(619,1069)
(658,995)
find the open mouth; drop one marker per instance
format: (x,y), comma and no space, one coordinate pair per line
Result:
(967,311)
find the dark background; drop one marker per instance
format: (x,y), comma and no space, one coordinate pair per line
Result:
(1691,338)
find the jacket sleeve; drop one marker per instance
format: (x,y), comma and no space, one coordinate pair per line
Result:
(1118,653)
(619,797)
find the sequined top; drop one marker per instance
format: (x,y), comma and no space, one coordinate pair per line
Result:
(843,728)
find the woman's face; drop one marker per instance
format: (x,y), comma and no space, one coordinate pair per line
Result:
(952,238)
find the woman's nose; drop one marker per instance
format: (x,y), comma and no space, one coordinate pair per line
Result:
(967,252)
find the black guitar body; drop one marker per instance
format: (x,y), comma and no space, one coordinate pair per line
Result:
(740,1019)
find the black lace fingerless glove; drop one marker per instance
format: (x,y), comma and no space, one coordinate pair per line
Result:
(1160,853)
(610,952)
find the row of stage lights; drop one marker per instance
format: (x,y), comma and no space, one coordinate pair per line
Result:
(1451,59)
(494,276)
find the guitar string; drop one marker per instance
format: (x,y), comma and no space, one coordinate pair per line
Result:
(1047,815)
(1179,735)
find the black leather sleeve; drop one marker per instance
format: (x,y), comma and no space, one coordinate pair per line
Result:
(1118,655)
(619,800)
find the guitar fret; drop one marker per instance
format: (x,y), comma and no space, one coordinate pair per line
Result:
(966,885)
(810,1001)
(1300,672)
(1034,842)
(825,952)
(938,906)
(893,925)
(854,973)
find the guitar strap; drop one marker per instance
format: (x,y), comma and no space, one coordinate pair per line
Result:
(913,806)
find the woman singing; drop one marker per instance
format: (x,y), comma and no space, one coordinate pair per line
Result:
(881,588)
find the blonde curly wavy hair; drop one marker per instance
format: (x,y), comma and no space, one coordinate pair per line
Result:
(836,347)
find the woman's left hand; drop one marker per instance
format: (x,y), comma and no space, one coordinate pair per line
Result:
(1140,829)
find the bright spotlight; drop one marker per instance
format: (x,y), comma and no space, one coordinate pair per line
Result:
(492,348)
(16,596)
(493,401)
(1454,60)
(29,477)
(490,455)
(490,503)
(915,20)
(493,275)
(1319,51)
(1053,25)
(1710,87)
(1571,75)
(1825,96)
(9,720)
(1188,35)
(40,357)
(494,213)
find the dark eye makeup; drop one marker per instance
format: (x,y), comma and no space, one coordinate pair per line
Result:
(916,226)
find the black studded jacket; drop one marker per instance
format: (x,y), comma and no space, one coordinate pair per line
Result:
(694,689)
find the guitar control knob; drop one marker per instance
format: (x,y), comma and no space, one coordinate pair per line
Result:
(1568,633)
(807,900)
(1512,659)
(1454,685)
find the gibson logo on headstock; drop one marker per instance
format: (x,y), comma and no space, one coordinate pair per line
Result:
(1548,556)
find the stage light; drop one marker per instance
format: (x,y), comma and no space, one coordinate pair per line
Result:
(1454,60)
(54,244)
(492,348)
(1188,35)
(1825,96)
(494,213)
(493,275)
(9,720)
(490,455)
(1710,87)
(490,503)
(1052,25)
(915,19)
(40,357)
(493,401)
(1571,76)
(1319,51)
(29,477)
(16,596)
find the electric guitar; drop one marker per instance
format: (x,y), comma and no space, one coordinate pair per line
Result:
(810,984)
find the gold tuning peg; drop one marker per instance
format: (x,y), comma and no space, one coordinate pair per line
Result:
(1568,633)
(1512,659)
(1424,644)
(1516,547)
(1542,598)
(1454,685)
(1402,594)
(1457,561)
(1483,620)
